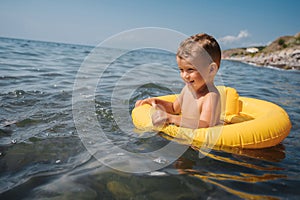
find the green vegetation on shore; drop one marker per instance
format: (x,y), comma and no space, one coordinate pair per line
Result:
(284,52)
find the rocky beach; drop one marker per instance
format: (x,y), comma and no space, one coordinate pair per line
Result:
(284,53)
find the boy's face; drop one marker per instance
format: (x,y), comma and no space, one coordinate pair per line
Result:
(193,77)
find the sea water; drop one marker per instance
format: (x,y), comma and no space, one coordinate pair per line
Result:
(42,154)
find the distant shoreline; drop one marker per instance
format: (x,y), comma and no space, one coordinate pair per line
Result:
(280,60)
(279,67)
(283,53)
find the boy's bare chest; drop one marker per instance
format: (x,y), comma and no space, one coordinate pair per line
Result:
(191,107)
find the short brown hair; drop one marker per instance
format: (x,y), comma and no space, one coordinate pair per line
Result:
(207,42)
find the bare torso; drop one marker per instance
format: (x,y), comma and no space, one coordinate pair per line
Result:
(191,106)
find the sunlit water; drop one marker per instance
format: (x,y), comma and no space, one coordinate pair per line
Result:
(42,156)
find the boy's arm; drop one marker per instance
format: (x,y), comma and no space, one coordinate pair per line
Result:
(185,122)
(210,112)
(208,116)
(169,107)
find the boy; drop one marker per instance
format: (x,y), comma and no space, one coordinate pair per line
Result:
(198,59)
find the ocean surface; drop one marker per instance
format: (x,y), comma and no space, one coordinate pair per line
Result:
(42,155)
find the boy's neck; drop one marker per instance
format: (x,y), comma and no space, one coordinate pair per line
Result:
(203,90)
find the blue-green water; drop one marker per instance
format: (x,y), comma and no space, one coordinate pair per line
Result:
(42,156)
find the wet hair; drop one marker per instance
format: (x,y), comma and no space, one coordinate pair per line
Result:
(196,44)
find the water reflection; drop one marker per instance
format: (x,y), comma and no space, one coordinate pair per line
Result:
(236,166)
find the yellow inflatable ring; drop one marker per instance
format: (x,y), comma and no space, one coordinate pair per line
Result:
(249,123)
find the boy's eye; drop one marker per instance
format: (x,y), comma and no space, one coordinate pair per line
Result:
(189,70)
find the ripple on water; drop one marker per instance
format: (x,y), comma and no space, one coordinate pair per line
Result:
(48,159)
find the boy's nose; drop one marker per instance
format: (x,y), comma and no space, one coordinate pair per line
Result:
(186,75)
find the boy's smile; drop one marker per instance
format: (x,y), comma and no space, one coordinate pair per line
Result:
(190,75)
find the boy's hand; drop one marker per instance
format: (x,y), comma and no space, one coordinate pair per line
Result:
(138,103)
(149,101)
(158,115)
(159,118)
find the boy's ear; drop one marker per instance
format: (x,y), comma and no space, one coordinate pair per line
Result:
(213,68)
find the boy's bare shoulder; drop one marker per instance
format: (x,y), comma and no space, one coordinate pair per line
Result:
(184,89)
(213,94)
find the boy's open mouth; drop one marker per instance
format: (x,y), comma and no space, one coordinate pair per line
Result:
(190,82)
